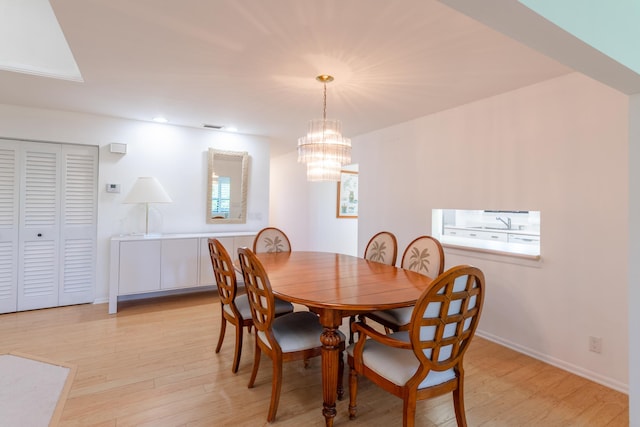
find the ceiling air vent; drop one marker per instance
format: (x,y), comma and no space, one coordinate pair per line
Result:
(211,126)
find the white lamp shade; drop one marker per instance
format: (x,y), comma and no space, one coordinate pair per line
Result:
(147,189)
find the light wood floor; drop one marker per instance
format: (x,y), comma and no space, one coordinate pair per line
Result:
(153,364)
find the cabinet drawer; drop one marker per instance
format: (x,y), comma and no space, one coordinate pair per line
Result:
(494,236)
(524,239)
(454,232)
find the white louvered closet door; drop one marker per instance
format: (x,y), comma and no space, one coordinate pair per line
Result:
(9,202)
(78,224)
(39,233)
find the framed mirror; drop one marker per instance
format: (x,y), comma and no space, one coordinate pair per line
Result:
(227,178)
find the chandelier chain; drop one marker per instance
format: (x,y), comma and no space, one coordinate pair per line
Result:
(324,149)
(324,110)
(324,104)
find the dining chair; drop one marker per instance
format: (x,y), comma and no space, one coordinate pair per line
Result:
(423,255)
(427,359)
(234,305)
(295,336)
(271,239)
(382,248)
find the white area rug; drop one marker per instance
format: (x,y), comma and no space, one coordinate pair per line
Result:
(32,390)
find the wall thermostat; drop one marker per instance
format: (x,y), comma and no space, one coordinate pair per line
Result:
(113,188)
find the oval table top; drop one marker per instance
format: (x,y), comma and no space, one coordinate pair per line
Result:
(344,282)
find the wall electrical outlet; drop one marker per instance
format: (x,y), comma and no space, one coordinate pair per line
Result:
(595,344)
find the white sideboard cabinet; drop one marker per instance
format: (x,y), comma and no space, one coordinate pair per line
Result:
(171,262)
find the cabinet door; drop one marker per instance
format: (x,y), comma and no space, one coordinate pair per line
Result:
(9,202)
(494,236)
(454,232)
(78,224)
(206,270)
(39,234)
(179,263)
(139,266)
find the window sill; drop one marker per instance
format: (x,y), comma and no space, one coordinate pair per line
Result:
(529,254)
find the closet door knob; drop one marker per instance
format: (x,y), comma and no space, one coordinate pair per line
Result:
(39,234)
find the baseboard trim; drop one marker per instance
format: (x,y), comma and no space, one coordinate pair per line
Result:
(156,294)
(577,370)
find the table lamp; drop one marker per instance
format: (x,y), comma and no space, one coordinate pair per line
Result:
(147,190)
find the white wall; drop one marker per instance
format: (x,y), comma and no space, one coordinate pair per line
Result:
(176,156)
(306,211)
(289,196)
(559,147)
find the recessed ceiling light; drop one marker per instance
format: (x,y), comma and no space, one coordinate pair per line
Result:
(231,129)
(160,119)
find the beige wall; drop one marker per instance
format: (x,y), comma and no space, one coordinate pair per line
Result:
(633,257)
(560,147)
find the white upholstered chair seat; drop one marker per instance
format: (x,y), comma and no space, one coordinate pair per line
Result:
(293,336)
(242,304)
(382,248)
(233,298)
(396,364)
(424,360)
(395,316)
(424,255)
(296,331)
(240,284)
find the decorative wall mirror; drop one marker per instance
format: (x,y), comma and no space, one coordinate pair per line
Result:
(227,179)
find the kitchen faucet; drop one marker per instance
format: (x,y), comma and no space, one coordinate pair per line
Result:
(507,222)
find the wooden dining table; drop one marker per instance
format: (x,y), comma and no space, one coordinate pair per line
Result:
(336,286)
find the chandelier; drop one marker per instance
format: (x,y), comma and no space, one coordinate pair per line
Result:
(324,149)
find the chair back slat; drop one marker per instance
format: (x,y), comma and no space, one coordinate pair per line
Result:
(271,239)
(261,299)
(383,248)
(424,255)
(223,271)
(445,318)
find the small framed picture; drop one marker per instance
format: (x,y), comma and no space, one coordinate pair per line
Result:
(347,195)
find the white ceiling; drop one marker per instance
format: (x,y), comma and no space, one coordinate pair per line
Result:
(42,48)
(252,63)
